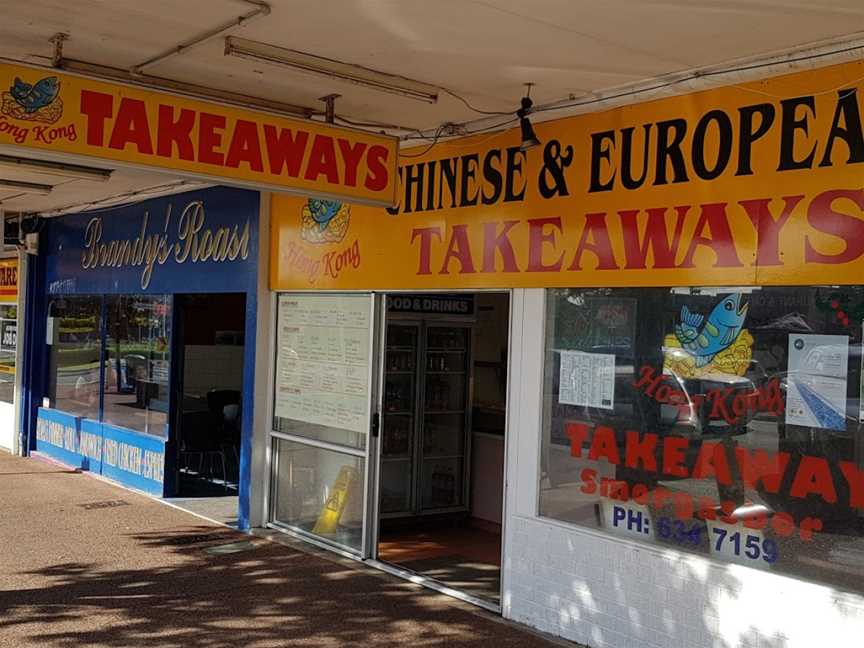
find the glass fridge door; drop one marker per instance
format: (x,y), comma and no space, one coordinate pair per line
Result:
(444,417)
(399,419)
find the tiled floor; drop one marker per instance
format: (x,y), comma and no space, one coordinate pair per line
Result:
(464,558)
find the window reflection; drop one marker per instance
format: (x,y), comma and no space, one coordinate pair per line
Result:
(725,422)
(73,377)
(8,344)
(137,362)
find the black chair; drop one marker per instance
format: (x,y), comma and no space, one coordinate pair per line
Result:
(199,439)
(224,406)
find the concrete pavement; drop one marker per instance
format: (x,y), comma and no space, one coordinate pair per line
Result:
(85,563)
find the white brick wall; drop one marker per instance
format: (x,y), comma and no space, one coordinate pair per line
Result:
(613,593)
(610,592)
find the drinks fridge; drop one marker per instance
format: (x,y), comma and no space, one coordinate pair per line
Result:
(425,433)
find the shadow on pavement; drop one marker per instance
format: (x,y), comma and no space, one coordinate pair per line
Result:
(267,595)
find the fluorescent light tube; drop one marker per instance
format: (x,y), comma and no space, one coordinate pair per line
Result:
(26,187)
(55,168)
(312,64)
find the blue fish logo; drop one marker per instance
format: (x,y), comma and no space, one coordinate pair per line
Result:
(704,339)
(323,211)
(33,98)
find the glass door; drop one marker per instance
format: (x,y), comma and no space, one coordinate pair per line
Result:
(398,447)
(445,418)
(324,421)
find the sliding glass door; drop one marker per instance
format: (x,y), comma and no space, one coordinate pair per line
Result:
(324,420)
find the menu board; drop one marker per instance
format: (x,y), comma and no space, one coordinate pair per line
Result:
(587,379)
(322,362)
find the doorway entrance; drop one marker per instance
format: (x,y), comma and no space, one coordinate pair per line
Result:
(208,383)
(443,421)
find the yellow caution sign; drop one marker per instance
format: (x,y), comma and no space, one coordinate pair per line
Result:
(330,515)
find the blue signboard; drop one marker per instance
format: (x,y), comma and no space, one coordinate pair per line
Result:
(57,436)
(198,241)
(132,459)
(136,460)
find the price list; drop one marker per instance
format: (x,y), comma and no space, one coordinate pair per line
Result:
(322,366)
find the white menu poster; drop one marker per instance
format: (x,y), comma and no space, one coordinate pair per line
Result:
(587,379)
(816,393)
(322,362)
(861,381)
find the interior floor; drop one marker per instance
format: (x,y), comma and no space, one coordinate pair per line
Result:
(463,557)
(441,483)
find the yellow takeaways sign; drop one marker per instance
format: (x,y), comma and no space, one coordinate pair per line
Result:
(758,183)
(8,279)
(50,111)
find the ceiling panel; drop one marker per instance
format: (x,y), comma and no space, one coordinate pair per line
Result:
(484,49)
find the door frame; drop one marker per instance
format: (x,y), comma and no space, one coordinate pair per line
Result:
(175,396)
(369,504)
(373,523)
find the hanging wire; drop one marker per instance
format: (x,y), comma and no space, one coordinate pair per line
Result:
(468,104)
(428,148)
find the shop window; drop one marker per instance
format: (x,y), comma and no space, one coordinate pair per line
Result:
(319,491)
(137,354)
(74,354)
(724,422)
(8,345)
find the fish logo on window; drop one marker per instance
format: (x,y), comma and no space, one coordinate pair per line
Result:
(718,342)
(37,102)
(324,221)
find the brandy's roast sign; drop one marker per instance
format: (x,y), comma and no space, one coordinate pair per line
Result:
(753,184)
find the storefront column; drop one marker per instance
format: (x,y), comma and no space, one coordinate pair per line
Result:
(523,427)
(264,365)
(23,264)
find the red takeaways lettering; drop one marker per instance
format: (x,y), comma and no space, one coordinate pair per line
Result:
(673,456)
(537,239)
(814,476)
(759,465)
(352,155)
(245,146)
(577,433)
(98,107)
(604,446)
(712,461)
(322,160)
(458,248)
(855,479)
(376,171)
(642,451)
(600,245)
(849,229)
(170,132)
(494,241)
(131,127)
(656,237)
(714,219)
(285,149)
(209,138)
(768,228)
(425,234)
